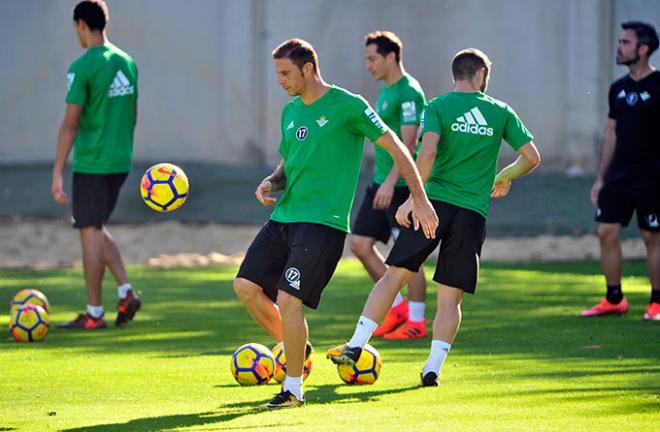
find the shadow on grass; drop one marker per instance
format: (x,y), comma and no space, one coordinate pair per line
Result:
(228,412)
(522,312)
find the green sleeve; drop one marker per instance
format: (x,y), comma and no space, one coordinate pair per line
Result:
(363,120)
(515,132)
(136,80)
(412,104)
(77,87)
(430,121)
(283,147)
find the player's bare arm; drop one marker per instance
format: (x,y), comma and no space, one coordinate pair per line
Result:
(273,183)
(528,160)
(65,137)
(425,160)
(609,143)
(385,192)
(423,212)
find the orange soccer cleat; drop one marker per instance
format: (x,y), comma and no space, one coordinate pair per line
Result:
(396,316)
(127,308)
(84,321)
(652,312)
(410,330)
(606,308)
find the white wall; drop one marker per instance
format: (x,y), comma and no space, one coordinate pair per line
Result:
(208,90)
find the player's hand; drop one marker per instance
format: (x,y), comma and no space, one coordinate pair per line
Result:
(424,216)
(57,189)
(263,193)
(383,197)
(403,213)
(501,187)
(595,190)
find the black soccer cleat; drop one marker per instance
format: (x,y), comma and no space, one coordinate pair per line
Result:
(127,308)
(343,354)
(429,380)
(285,399)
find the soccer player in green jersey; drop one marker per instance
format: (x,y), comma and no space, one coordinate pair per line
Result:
(461,134)
(293,257)
(400,106)
(98,124)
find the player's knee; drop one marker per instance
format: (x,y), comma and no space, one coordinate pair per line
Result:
(651,239)
(361,246)
(288,302)
(244,289)
(608,233)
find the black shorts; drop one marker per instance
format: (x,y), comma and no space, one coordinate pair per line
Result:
(377,223)
(462,233)
(298,258)
(94,198)
(639,193)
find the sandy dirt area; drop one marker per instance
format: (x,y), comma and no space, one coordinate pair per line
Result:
(43,244)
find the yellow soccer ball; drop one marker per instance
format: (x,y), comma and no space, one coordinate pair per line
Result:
(164,187)
(280,364)
(252,364)
(29,296)
(366,369)
(28,323)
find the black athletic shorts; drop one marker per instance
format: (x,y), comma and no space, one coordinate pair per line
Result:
(639,193)
(94,198)
(462,233)
(299,258)
(379,223)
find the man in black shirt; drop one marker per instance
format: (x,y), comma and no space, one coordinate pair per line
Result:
(628,177)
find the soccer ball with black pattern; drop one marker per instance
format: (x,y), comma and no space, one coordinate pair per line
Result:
(365,371)
(28,323)
(280,364)
(29,296)
(252,364)
(164,187)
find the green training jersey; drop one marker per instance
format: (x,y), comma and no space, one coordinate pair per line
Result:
(322,146)
(471,128)
(400,104)
(103,81)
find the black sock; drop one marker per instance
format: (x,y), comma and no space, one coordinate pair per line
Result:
(614,294)
(655,296)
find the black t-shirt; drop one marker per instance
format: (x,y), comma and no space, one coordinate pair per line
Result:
(635,105)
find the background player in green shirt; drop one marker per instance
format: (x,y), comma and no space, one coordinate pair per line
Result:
(98,123)
(293,257)
(400,106)
(461,135)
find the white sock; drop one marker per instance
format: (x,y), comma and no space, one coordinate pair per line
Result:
(294,385)
(439,350)
(95,311)
(416,311)
(123,290)
(363,330)
(398,300)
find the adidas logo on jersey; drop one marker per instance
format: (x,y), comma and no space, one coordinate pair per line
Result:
(472,122)
(120,86)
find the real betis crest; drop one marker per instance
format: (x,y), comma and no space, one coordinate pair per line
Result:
(322,121)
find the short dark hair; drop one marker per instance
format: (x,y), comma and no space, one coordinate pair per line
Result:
(298,51)
(646,34)
(386,42)
(467,62)
(93,12)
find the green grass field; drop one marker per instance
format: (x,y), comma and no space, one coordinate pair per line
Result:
(523,360)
